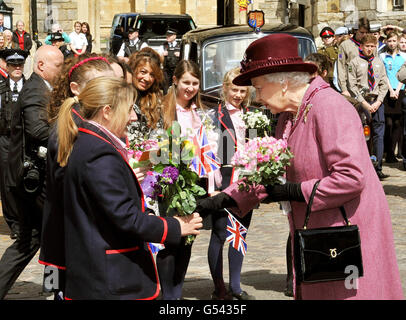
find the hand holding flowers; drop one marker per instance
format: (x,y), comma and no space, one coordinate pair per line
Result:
(171,178)
(263,161)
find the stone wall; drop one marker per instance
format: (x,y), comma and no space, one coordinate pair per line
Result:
(336,13)
(99,13)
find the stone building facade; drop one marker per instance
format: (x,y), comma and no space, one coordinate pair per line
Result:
(312,14)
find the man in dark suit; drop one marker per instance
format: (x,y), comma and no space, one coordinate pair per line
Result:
(25,178)
(10,89)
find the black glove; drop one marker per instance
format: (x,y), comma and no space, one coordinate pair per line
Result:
(210,204)
(285,192)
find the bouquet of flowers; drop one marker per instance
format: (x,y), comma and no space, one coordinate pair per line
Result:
(171,178)
(139,152)
(262,161)
(256,120)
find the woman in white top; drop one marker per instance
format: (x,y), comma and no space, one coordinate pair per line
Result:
(78,41)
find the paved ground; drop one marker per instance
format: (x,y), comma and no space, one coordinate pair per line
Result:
(264,268)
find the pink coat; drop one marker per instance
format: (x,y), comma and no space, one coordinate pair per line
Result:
(328,144)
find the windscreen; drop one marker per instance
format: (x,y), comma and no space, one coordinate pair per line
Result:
(222,54)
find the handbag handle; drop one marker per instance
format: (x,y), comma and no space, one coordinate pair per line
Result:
(309,207)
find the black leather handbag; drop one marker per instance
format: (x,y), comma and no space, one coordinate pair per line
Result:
(323,254)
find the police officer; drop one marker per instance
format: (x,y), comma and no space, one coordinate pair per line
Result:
(9,91)
(131,45)
(330,49)
(170,50)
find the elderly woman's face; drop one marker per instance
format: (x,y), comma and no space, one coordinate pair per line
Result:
(269,94)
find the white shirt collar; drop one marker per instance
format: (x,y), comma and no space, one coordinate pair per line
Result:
(20,84)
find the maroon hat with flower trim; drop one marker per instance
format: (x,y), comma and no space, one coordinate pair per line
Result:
(274,53)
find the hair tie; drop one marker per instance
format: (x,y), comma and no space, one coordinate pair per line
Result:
(84,61)
(76,99)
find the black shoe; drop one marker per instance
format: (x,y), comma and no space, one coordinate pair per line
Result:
(13,235)
(382,176)
(243,295)
(288,292)
(391,160)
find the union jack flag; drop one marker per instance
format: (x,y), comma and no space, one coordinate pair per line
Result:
(205,159)
(236,234)
(156,247)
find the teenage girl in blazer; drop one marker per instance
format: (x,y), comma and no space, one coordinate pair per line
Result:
(182,103)
(76,72)
(229,113)
(105,224)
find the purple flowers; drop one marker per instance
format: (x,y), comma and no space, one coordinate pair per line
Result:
(169,175)
(150,185)
(153,182)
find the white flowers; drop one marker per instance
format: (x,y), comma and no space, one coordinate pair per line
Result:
(258,121)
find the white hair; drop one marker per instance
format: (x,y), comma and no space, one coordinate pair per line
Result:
(55,27)
(295,79)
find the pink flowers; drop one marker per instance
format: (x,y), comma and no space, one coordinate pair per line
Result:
(263,160)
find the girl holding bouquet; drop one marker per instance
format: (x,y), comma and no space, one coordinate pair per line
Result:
(182,103)
(233,128)
(106,227)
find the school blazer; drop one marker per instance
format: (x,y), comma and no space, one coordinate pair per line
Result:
(106,227)
(227,144)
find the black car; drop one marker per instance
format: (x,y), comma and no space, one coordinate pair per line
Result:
(152,27)
(220,49)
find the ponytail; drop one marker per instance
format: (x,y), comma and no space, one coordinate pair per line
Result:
(67,131)
(169,107)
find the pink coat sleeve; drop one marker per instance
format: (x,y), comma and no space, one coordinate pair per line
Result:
(338,133)
(246,200)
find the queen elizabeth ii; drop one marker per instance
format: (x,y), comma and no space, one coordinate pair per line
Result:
(325,135)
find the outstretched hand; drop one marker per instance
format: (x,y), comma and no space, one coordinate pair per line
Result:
(217,202)
(190,225)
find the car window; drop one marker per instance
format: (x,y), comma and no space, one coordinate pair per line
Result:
(222,54)
(158,27)
(115,21)
(131,22)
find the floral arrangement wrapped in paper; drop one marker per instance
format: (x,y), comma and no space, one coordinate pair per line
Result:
(171,177)
(139,152)
(263,160)
(258,121)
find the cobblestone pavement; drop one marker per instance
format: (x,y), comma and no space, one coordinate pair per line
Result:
(264,268)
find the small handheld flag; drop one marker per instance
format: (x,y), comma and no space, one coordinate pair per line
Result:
(236,234)
(204,161)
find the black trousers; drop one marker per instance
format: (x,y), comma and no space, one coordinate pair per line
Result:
(8,202)
(19,254)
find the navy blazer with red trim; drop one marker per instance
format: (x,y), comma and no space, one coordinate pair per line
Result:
(52,252)
(106,228)
(227,144)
